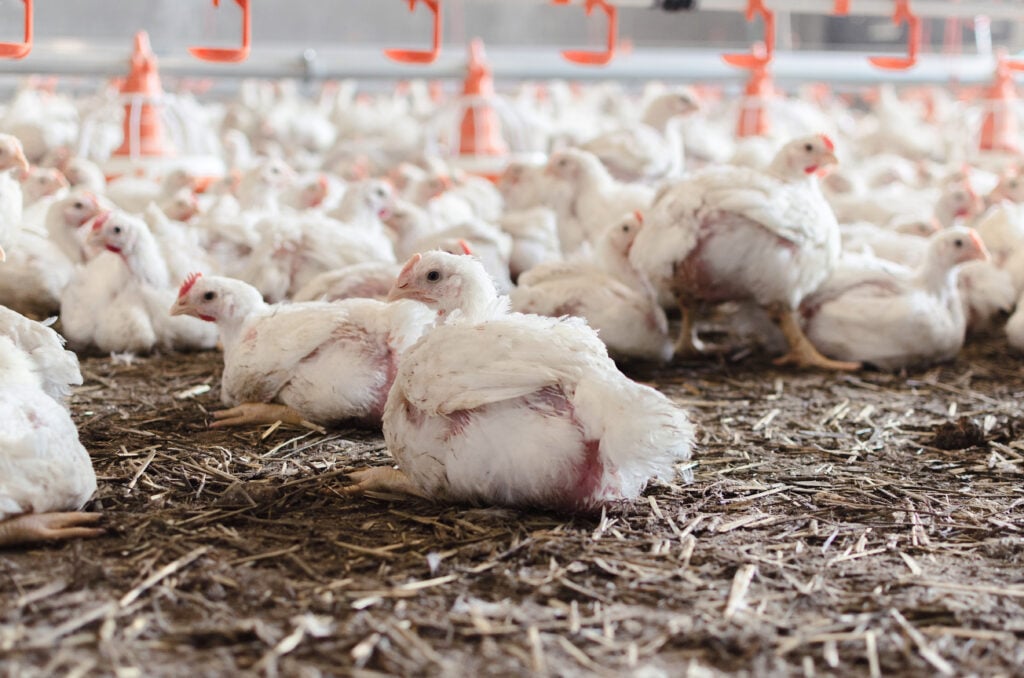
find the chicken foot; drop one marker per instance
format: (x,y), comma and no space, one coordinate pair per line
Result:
(382,479)
(33,527)
(262,413)
(688,346)
(802,353)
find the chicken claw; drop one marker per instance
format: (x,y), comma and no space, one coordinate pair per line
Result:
(802,352)
(262,413)
(382,479)
(33,527)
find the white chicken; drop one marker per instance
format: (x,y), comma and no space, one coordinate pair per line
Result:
(43,467)
(607,292)
(368,280)
(732,234)
(12,158)
(56,368)
(594,196)
(1015,327)
(534,238)
(132,194)
(500,408)
(891,316)
(304,362)
(652,149)
(118,301)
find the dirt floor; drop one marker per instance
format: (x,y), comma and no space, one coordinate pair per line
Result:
(839,525)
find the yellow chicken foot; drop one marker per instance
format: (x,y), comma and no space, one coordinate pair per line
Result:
(802,352)
(262,413)
(382,479)
(33,527)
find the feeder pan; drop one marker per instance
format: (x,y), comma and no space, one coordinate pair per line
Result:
(159,132)
(478,131)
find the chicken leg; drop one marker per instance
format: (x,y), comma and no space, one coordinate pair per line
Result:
(686,344)
(262,413)
(382,479)
(32,527)
(802,352)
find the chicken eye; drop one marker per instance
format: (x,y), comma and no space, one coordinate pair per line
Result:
(808,147)
(433,276)
(210,296)
(958,242)
(78,205)
(625,228)
(117,229)
(563,162)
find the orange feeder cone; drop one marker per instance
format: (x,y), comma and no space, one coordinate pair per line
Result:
(753,120)
(999,126)
(148,137)
(480,130)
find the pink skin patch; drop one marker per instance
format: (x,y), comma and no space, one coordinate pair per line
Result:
(639,216)
(190,281)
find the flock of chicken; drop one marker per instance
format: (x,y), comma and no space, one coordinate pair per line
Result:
(514,297)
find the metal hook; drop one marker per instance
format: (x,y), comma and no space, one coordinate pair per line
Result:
(902,14)
(412,56)
(588,58)
(226,54)
(20,50)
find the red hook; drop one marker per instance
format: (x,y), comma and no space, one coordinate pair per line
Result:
(596,58)
(902,14)
(222,54)
(411,56)
(756,57)
(20,50)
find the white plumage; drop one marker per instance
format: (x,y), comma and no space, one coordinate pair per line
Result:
(43,466)
(501,408)
(56,368)
(328,362)
(891,316)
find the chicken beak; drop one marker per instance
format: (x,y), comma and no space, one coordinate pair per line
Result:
(980,251)
(829,159)
(403,287)
(181,307)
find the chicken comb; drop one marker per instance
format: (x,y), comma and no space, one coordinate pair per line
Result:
(190,281)
(465,247)
(825,139)
(413,260)
(639,216)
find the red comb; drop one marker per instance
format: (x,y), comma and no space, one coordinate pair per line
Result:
(828,142)
(189,282)
(639,216)
(465,247)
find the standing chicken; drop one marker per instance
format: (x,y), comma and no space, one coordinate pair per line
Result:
(891,316)
(314,361)
(43,467)
(492,407)
(732,234)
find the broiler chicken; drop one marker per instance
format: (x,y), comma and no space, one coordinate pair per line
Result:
(118,302)
(12,158)
(368,280)
(132,194)
(44,469)
(498,408)
(594,196)
(733,234)
(652,149)
(56,368)
(304,362)
(891,316)
(607,292)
